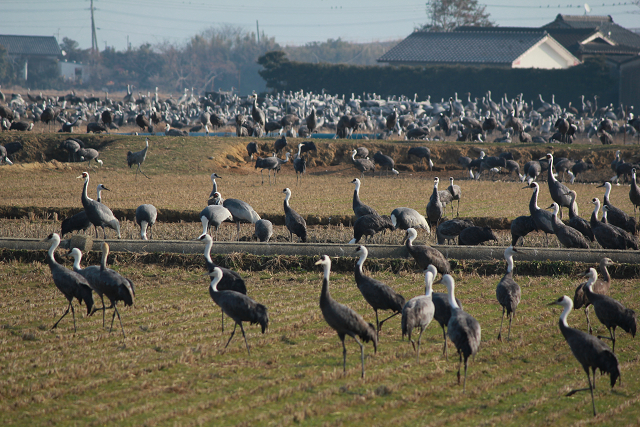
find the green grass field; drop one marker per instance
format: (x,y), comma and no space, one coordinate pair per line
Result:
(172,369)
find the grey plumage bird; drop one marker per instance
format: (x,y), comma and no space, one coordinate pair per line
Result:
(590,352)
(608,236)
(630,240)
(377,294)
(601,286)
(569,237)
(263,230)
(299,164)
(474,236)
(615,215)
(634,191)
(451,229)
(610,312)
(405,218)
(292,220)
(270,164)
(238,306)
(418,311)
(343,319)
(435,208)
(146,216)
(557,190)
(77,222)
(257,114)
(138,158)
(421,153)
(359,208)
(575,221)
(88,154)
(508,292)
(252,148)
(369,225)
(463,329)
(99,214)
(425,255)
(240,210)
(363,165)
(456,194)
(214,190)
(71,284)
(91,274)
(543,219)
(520,227)
(114,286)
(214,216)
(385,162)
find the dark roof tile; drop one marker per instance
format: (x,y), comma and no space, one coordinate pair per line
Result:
(31,45)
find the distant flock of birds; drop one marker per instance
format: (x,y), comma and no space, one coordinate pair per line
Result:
(302,114)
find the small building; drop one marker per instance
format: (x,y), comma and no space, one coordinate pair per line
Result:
(73,71)
(23,49)
(502,47)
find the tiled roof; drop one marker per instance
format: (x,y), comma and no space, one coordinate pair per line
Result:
(606,25)
(31,45)
(474,47)
(607,49)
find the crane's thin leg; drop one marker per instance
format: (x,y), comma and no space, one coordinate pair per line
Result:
(344,354)
(377,323)
(458,209)
(586,313)
(120,319)
(238,235)
(70,306)
(232,333)
(245,339)
(459,366)
(593,402)
(501,320)
(464,384)
(262,176)
(444,350)
(509,334)
(222,312)
(393,315)
(361,353)
(419,339)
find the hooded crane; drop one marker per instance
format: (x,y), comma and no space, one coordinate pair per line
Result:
(569,237)
(463,329)
(98,214)
(426,255)
(588,350)
(114,286)
(214,190)
(610,313)
(257,114)
(456,194)
(543,219)
(343,319)
(601,286)
(363,165)
(631,241)
(616,216)
(385,162)
(231,280)
(508,292)
(575,221)
(435,208)
(80,221)
(359,208)
(404,218)
(557,189)
(270,164)
(451,229)
(146,216)
(418,311)
(294,222)
(634,191)
(240,210)
(606,235)
(421,153)
(299,164)
(138,158)
(369,225)
(378,295)
(214,216)
(263,230)
(71,284)
(238,306)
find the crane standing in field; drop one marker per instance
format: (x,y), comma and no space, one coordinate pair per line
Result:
(359,208)
(588,350)
(601,286)
(293,221)
(138,158)
(463,329)
(146,216)
(508,292)
(418,311)
(344,320)
(238,306)
(426,255)
(71,284)
(99,214)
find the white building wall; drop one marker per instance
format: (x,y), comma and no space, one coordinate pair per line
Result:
(543,56)
(73,71)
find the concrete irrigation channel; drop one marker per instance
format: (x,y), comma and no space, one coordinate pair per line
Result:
(255,256)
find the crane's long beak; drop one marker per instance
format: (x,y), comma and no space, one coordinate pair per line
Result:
(525,187)
(553,303)
(105,188)
(600,186)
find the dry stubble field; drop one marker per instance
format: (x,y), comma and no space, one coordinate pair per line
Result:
(172,368)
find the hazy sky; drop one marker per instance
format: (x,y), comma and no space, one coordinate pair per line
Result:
(291,22)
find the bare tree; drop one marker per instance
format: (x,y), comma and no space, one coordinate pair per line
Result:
(446,15)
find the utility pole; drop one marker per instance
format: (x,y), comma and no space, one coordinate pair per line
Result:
(94,37)
(258,31)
